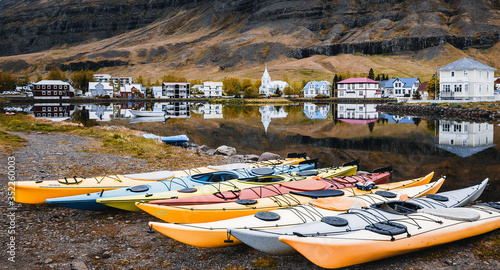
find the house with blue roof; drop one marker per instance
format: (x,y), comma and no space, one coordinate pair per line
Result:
(400,87)
(467,79)
(317,112)
(317,88)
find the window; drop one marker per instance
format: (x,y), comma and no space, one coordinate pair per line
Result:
(43,86)
(49,114)
(43,115)
(360,108)
(466,88)
(453,74)
(458,88)
(49,93)
(360,93)
(464,143)
(466,73)
(452,142)
(457,128)
(43,109)
(446,88)
(446,127)
(60,93)
(49,109)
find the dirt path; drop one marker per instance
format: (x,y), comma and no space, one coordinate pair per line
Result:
(48,237)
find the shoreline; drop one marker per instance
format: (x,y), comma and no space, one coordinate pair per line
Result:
(61,238)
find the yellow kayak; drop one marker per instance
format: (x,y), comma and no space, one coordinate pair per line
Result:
(128,202)
(214,234)
(36,192)
(221,211)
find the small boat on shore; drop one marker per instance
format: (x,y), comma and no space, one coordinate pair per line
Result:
(176,139)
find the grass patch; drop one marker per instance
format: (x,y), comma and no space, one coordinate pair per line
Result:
(24,123)
(265,263)
(10,142)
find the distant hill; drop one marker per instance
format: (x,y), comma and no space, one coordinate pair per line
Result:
(221,36)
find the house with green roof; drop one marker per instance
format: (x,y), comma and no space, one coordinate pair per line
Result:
(466,79)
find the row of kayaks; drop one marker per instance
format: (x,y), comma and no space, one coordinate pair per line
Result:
(334,216)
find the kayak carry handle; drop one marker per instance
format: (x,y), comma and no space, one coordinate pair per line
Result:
(383,169)
(355,162)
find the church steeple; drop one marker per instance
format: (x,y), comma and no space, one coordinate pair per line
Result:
(266,79)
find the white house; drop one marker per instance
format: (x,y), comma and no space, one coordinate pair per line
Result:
(212,89)
(465,139)
(358,88)
(269,87)
(466,79)
(106,78)
(400,87)
(175,89)
(317,88)
(157,91)
(100,89)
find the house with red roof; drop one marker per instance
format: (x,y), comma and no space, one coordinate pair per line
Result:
(358,88)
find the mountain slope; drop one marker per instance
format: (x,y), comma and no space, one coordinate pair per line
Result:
(223,35)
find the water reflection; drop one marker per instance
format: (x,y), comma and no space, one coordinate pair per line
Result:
(54,112)
(209,111)
(465,139)
(268,112)
(317,112)
(357,113)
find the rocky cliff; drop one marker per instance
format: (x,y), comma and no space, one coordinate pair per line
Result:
(221,32)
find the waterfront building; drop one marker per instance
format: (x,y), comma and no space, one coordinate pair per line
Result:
(100,89)
(358,88)
(132,90)
(269,87)
(106,78)
(317,88)
(157,91)
(175,89)
(422,89)
(400,87)
(466,79)
(212,89)
(52,89)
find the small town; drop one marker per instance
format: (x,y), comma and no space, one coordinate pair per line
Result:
(241,135)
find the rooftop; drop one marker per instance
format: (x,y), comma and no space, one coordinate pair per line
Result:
(466,64)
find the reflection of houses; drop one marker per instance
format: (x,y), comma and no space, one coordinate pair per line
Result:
(100,112)
(357,113)
(53,111)
(210,111)
(100,89)
(466,79)
(268,112)
(50,89)
(175,90)
(315,88)
(358,88)
(313,111)
(465,139)
(177,110)
(397,119)
(269,87)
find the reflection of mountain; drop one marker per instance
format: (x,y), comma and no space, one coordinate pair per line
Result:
(398,119)
(313,111)
(268,112)
(465,139)
(357,113)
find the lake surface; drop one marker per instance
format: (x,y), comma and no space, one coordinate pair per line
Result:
(464,152)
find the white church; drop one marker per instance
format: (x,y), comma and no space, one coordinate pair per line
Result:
(269,87)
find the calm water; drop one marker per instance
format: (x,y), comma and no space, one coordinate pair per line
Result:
(463,151)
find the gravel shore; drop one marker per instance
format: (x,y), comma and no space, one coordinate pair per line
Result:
(49,237)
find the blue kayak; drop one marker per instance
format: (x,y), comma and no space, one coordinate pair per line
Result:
(177,139)
(88,201)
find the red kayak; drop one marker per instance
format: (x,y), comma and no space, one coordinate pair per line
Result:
(297,187)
